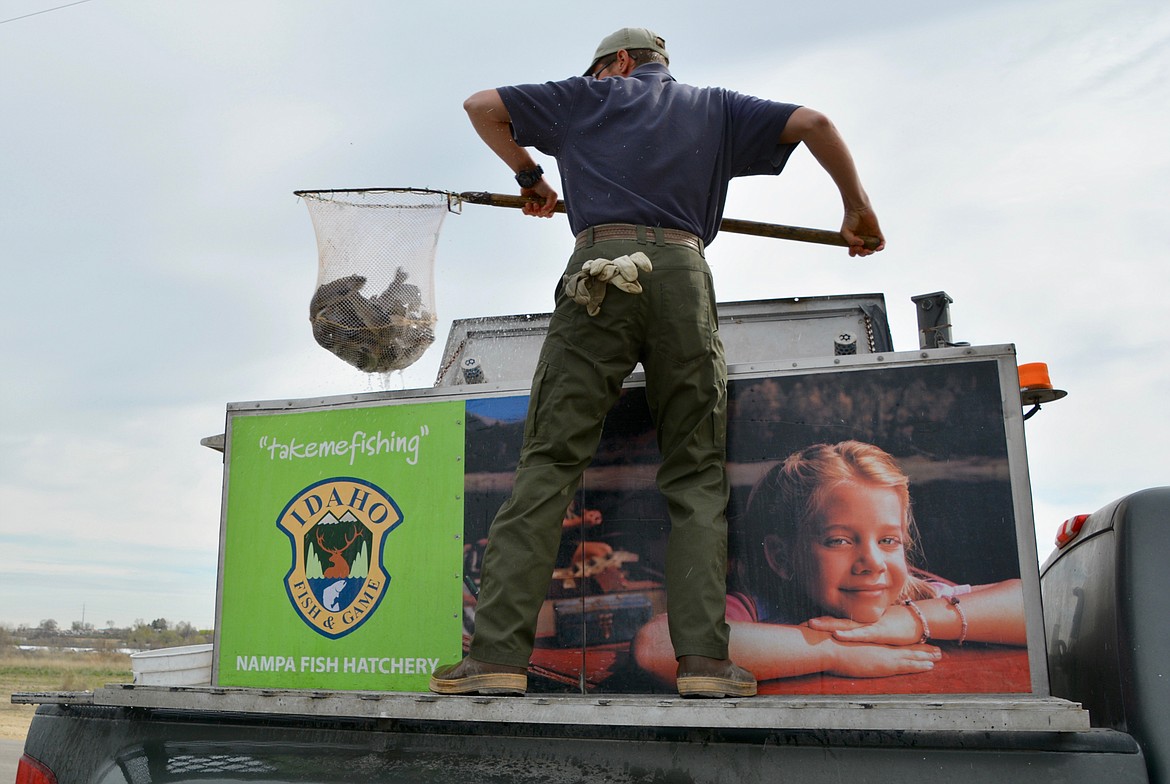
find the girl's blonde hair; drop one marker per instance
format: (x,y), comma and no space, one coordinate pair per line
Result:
(790,497)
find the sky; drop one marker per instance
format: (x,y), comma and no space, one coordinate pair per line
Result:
(158,266)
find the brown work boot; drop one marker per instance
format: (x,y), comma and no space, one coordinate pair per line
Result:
(471,676)
(702,676)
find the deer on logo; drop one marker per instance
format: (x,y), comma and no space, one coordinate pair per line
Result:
(339,568)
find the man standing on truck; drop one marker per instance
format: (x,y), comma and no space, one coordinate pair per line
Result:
(645,162)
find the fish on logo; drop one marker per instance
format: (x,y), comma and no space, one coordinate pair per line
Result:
(338,528)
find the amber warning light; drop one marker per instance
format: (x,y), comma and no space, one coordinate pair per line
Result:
(1036,387)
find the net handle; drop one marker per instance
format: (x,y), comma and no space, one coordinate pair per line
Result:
(733,225)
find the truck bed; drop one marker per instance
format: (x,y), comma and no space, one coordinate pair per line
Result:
(159,734)
(981,713)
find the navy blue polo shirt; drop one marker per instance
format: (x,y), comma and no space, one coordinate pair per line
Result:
(648,149)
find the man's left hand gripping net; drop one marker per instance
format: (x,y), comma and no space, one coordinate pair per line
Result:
(375,300)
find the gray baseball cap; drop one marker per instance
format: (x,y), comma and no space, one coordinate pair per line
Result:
(628,38)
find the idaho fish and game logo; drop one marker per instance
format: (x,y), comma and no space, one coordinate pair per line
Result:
(338,529)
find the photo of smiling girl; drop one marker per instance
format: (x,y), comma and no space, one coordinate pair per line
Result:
(831,527)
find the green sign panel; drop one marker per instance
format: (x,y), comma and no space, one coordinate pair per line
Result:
(343,548)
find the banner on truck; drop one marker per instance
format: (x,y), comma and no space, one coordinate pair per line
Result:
(936,507)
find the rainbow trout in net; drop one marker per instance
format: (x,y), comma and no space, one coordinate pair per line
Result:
(376,334)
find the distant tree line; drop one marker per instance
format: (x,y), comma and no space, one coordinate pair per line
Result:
(142,635)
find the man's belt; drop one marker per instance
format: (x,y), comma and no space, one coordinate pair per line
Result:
(647,234)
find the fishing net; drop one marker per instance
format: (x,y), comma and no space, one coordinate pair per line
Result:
(374,306)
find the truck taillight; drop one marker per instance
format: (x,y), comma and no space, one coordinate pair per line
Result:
(31,771)
(1069,529)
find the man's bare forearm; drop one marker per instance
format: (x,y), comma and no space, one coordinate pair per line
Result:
(818,133)
(824,141)
(490,119)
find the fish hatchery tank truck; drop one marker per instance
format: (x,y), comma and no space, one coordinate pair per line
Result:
(352,532)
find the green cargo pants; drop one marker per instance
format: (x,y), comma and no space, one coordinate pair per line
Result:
(672,328)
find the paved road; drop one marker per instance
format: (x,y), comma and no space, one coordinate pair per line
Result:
(9,755)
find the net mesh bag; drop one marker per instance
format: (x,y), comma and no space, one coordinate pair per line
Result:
(374,306)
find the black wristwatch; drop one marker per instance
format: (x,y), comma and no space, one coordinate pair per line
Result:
(529,177)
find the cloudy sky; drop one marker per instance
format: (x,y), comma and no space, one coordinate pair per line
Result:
(158,266)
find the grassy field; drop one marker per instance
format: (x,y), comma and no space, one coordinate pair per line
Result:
(52,671)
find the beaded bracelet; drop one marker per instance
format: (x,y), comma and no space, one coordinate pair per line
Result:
(921,619)
(954,602)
